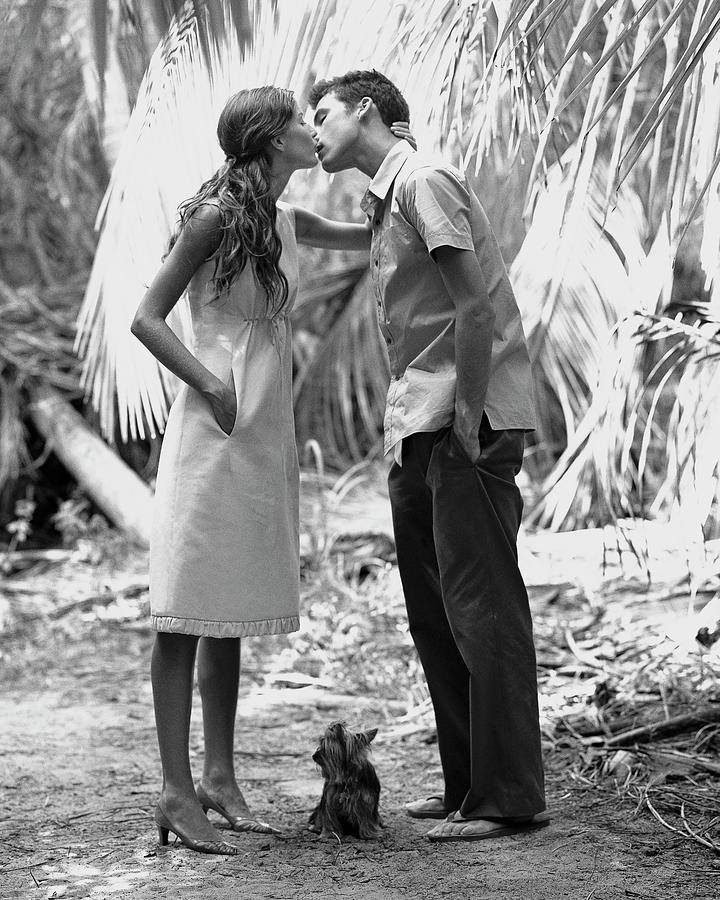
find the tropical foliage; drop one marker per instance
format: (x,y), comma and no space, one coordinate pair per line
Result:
(598,120)
(51,178)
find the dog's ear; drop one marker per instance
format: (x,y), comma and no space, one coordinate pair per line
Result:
(367,736)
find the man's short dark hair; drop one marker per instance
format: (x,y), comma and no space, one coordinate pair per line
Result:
(351,87)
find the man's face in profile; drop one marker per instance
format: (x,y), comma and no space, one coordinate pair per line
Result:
(337,128)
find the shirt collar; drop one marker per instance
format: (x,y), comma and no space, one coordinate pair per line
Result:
(387,173)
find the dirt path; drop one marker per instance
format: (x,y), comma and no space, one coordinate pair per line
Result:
(79,770)
(79,766)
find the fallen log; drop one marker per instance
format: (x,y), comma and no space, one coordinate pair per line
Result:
(121,494)
(14,561)
(669,726)
(103,599)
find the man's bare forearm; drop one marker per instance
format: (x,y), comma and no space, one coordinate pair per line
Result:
(474,321)
(473,351)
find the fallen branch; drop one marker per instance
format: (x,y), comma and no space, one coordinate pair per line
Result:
(30,865)
(669,726)
(103,599)
(12,561)
(121,494)
(682,760)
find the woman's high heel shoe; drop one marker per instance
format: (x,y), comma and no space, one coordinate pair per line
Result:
(164,825)
(238,822)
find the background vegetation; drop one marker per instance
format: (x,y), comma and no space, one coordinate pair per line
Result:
(590,130)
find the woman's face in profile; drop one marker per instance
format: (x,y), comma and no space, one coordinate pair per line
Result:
(299,143)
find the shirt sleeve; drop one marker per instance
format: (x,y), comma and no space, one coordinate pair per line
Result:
(437,204)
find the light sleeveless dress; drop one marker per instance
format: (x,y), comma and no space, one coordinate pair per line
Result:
(224,553)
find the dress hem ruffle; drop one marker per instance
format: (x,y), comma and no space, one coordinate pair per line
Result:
(204,628)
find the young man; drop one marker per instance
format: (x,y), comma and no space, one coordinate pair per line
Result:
(459,402)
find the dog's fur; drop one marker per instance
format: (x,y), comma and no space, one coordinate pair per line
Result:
(351,793)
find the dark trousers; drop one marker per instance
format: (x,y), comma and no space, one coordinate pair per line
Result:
(456,530)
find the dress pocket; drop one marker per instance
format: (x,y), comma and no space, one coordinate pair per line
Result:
(234,381)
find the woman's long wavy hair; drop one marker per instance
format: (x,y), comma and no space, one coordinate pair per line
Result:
(241,187)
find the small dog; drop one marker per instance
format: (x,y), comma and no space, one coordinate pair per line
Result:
(351,793)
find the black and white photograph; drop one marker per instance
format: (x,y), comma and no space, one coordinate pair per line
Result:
(360,449)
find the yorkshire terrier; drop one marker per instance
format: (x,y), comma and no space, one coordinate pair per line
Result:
(351,792)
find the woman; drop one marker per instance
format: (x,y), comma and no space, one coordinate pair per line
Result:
(224,553)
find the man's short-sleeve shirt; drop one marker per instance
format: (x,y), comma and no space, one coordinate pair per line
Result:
(416,204)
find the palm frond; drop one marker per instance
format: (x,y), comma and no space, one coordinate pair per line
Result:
(638,115)
(341,388)
(648,445)
(99,18)
(609,52)
(573,282)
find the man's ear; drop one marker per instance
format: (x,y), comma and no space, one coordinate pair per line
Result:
(278,142)
(364,106)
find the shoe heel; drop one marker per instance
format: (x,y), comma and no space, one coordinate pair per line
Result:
(163,834)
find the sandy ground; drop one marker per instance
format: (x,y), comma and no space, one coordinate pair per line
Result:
(79,770)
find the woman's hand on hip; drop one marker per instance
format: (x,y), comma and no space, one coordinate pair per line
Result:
(223,402)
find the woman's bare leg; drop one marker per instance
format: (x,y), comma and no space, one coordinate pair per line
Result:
(172,667)
(218,679)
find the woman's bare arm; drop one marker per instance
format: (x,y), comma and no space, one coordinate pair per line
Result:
(317,231)
(198,240)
